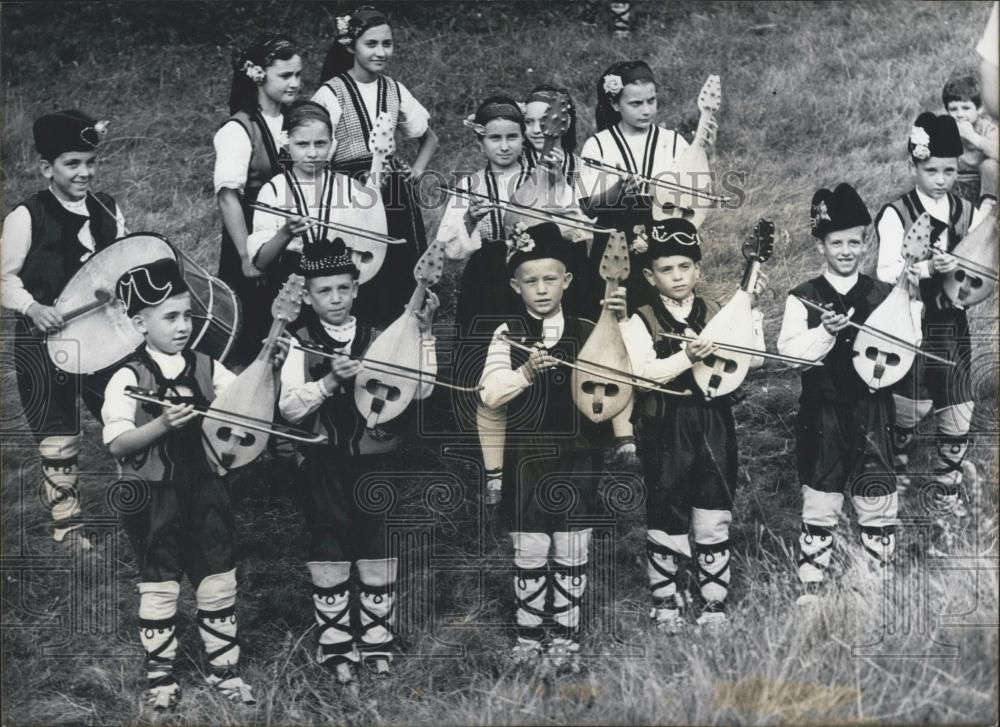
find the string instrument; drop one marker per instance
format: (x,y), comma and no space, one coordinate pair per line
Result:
(605,372)
(749,351)
(253,393)
(560,218)
(539,191)
(265,426)
(382,395)
(596,396)
(976,276)
(879,361)
(707,198)
(692,167)
(722,373)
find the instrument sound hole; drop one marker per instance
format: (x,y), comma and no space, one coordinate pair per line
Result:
(589,387)
(976,282)
(382,391)
(888,359)
(960,275)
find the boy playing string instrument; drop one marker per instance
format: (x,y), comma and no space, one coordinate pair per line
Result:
(687,444)
(843,430)
(185,525)
(318,391)
(934,147)
(553,453)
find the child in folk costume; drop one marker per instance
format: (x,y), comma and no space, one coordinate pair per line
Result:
(474,232)
(319,393)
(843,429)
(355,92)
(185,525)
(308,188)
(627,137)
(46,239)
(266,78)
(934,147)
(688,444)
(977,166)
(541,413)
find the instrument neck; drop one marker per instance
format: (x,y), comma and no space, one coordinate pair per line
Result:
(750,272)
(701,135)
(277,328)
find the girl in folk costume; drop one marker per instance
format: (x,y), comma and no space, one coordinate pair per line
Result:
(266,77)
(627,137)
(562,164)
(308,188)
(553,453)
(355,93)
(473,231)
(934,148)
(843,429)
(340,476)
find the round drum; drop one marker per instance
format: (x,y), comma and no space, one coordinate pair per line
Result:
(98,334)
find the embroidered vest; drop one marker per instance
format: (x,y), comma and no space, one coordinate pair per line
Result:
(960,211)
(355,125)
(56,252)
(338,416)
(836,380)
(159,462)
(658,319)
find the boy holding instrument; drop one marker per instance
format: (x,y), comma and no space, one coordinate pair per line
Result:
(180,520)
(934,147)
(687,444)
(552,459)
(340,496)
(843,429)
(46,239)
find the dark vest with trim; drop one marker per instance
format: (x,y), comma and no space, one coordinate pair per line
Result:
(56,253)
(836,381)
(546,408)
(658,319)
(265,159)
(960,212)
(159,462)
(355,124)
(338,417)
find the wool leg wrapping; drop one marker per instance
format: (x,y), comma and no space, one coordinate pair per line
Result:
(157,630)
(531,555)
(820,512)
(877,520)
(216,597)
(711,544)
(60,470)
(331,605)
(378,586)
(569,579)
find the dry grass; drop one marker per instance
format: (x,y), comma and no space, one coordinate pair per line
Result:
(813,93)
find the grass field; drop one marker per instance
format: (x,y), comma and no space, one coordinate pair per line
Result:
(814,94)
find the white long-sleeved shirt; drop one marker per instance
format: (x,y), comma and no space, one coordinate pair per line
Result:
(798,339)
(299,398)
(642,354)
(233,151)
(118,411)
(891,233)
(640,156)
(501,383)
(16,241)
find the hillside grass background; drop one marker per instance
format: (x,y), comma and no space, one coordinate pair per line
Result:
(814,94)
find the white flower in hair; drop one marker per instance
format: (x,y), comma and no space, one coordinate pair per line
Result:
(254,72)
(520,240)
(921,141)
(613,84)
(101,127)
(343,24)
(469,122)
(640,244)
(820,214)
